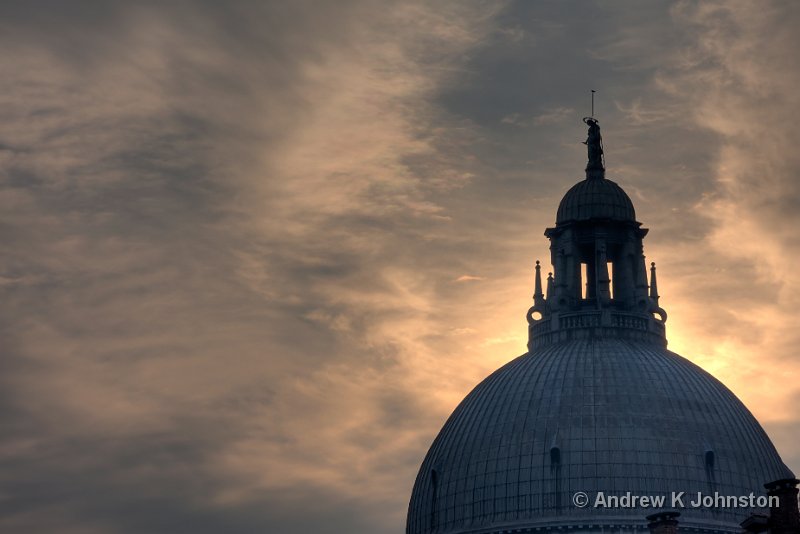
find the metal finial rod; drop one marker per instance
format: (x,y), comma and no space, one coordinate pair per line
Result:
(593,91)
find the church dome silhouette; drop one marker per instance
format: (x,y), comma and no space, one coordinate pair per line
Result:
(597,404)
(590,415)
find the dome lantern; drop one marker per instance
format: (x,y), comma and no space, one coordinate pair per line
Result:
(600,285)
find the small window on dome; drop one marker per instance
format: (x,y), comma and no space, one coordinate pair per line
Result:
(555,455)
(610,279)
(709,456)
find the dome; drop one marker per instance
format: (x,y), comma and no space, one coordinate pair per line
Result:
(590,415)
(595,198)
(598,406)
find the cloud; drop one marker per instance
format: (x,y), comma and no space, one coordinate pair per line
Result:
(469,278)
(739,83)
(231,235)
(553,116)
(514,118)
(198,226)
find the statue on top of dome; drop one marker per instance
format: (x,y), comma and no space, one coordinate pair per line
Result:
(594,145)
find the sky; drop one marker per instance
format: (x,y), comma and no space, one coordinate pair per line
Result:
(254,253)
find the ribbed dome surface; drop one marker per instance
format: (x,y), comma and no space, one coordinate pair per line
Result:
(595,199)
(625,417)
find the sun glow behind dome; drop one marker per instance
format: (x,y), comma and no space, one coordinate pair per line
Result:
(597,404)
